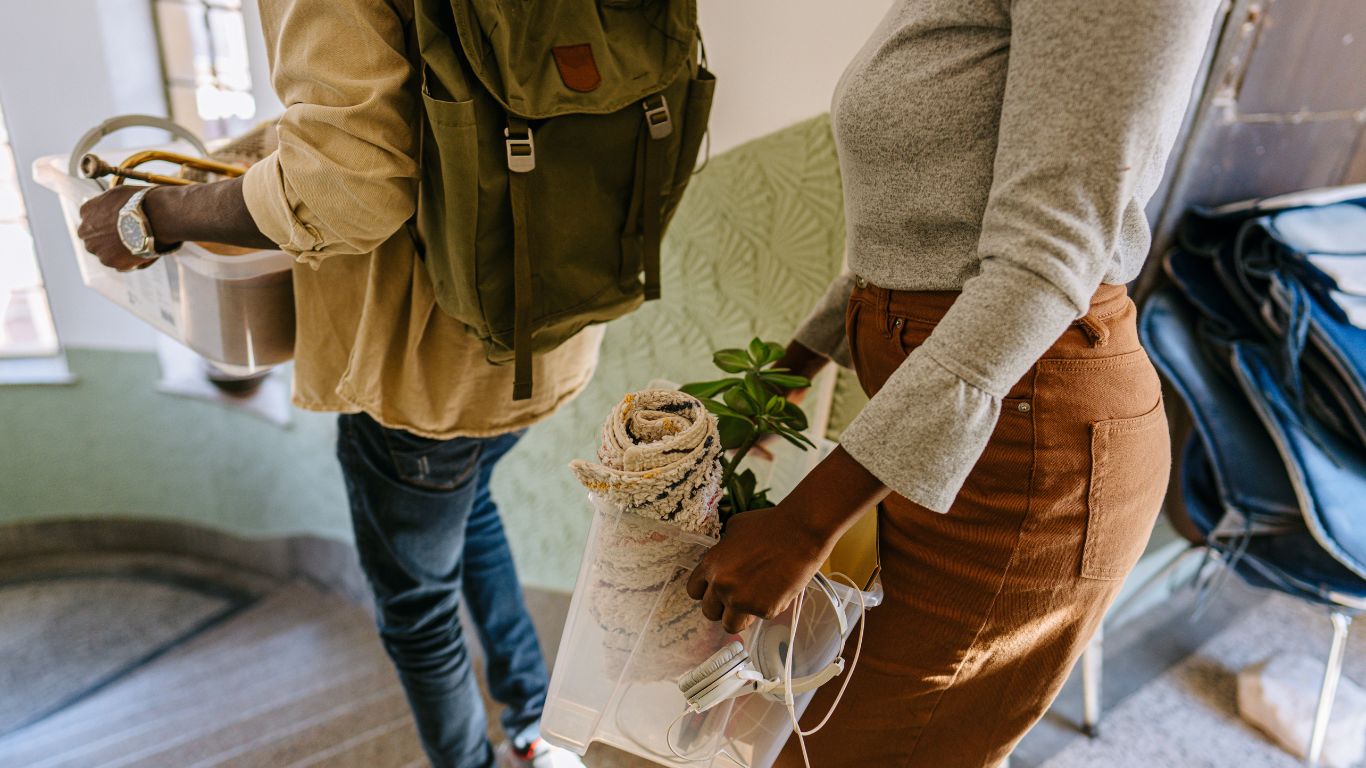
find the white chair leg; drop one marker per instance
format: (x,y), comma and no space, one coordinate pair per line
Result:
(1091,674)
(1332,673)
(1167,571)
(1091,659)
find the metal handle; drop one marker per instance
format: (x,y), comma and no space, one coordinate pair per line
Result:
(96,134)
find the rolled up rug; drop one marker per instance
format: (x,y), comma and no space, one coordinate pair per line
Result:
(660,459)
(659,464)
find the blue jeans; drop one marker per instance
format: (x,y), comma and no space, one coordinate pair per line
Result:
(428,532)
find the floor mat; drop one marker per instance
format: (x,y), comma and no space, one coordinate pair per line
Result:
(1188,717)
(63,636)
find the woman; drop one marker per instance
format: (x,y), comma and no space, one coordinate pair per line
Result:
(997,156)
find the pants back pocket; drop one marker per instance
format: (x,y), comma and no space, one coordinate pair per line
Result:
(1130,463)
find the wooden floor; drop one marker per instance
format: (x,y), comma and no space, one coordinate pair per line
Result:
(297,677)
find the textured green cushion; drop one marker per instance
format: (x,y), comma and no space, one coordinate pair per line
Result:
(758,237)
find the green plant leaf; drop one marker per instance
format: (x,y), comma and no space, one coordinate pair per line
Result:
(721,409)
(760,500)
(758,351)
(732,360)
(794,416)
(739,497)
(748,482)
(795,437)
(734,431)
(757,405)
(756,390)
(749,406)
(739,401)
(785,381)
(705,389)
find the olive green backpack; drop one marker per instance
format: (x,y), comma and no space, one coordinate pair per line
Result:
(559,137)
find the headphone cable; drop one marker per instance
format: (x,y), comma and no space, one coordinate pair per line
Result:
(788,699)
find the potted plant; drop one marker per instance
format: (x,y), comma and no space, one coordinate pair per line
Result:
(750,405)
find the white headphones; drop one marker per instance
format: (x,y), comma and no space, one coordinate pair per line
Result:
(736,671)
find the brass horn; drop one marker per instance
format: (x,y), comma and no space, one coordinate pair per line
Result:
(92,167)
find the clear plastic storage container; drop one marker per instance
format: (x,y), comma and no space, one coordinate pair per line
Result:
(235,308)
(632,631)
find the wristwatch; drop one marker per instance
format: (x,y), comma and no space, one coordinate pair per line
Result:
(135,230)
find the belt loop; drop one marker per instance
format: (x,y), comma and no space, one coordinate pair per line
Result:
(1095,330)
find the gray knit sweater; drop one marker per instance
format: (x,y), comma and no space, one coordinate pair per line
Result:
(1006,148)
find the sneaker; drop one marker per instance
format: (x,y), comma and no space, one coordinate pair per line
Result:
(540,754)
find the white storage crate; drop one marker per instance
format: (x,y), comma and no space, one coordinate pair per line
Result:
(235,310)
(632,631)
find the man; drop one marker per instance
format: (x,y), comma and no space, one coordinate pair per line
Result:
(425,419)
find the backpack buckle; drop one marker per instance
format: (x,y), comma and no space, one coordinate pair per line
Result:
(521,151)
(658,118)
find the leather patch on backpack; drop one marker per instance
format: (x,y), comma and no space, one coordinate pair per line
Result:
(577,67)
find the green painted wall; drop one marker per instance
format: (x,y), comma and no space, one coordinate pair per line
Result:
(756,241)
(112,446)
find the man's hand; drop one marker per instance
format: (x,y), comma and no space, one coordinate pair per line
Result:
(765,560)
(99,230)
(215,212)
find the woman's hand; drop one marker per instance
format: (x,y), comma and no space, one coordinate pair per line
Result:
(767,556)
(765,560)
(802,361)
(99,230)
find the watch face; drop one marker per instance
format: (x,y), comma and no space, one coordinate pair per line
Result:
(130,231)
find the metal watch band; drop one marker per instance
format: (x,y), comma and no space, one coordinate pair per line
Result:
(133,207)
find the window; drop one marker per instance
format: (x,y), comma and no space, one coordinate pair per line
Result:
(26,328)
(204,59)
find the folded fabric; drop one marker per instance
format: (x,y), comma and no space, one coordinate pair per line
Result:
(1245,469)
(1329,473)
(637,593)
(1292,271)
(660,458)
(1294,563)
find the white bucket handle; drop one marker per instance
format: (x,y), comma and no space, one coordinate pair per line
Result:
(96,134)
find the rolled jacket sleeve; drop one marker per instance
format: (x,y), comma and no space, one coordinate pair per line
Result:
(1095,93)
(345,176)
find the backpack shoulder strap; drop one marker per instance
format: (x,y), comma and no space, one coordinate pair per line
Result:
(521,151)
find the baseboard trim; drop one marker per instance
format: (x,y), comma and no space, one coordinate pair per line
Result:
(328,564)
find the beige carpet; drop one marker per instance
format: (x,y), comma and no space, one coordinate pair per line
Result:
(1188,717)
(62,637)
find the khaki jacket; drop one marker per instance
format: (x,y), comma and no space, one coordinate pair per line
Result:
(338,195)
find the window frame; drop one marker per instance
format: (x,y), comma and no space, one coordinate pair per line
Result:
(34,367)
(207,128)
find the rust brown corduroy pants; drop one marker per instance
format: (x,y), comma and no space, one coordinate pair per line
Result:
(988,607)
